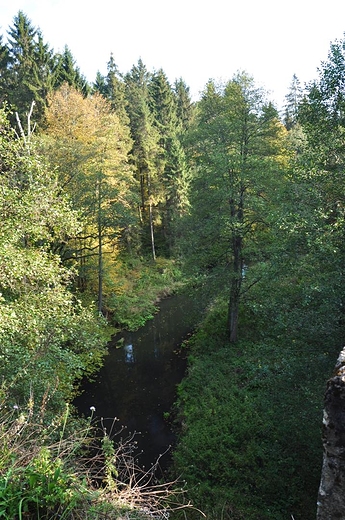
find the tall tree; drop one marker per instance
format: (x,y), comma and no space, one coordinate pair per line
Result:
(293,100)
(4,65)
(88,145)
(145,150)
(116,90)
(185,107)
(173,177)
(30,64)
(319,189)
(100,84)
(66,71)
(47,338)
(236,146)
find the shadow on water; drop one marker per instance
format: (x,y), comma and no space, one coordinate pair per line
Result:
(137,383)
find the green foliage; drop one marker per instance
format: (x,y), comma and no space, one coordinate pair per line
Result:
(47,337)
(38,479)
(250,445)
(66,71)
(263,235)
(136,293)
(293,100)
(28,72)
(184,106)
(237,147)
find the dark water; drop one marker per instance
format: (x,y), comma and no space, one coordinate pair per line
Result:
(137,383)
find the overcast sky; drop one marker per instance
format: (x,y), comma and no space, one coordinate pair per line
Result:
(195,40)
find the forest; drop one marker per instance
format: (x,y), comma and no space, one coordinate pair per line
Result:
(118,193)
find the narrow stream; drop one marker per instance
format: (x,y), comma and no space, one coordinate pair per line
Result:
(137,383)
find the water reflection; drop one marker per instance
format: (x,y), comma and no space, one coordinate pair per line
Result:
(129,354)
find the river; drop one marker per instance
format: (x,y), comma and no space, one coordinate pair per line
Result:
(138,381)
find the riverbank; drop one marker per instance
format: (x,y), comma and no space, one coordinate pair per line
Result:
(250,445)
(132,299)
(65,469)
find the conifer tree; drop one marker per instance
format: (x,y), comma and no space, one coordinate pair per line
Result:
(184,105)
(173,176)
(145,150)
(100,84)
(116,90)
(319,191)
(4,66)
(293,100)
(29,67)
(66,71)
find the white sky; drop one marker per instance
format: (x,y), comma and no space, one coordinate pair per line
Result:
(195,40)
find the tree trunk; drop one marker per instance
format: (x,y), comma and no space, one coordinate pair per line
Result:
(100,251)
(152,233)
(331,498)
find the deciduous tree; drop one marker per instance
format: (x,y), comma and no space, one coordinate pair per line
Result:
(48,340)
(236,146)
(88,145)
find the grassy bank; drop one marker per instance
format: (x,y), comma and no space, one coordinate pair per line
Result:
(251,416)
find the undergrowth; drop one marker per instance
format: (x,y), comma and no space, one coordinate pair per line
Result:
(140,286)
(67,469)
(250,419)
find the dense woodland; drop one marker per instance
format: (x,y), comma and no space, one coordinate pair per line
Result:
(117,193)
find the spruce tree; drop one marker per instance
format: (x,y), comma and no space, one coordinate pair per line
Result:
(145,151)
(173,170)
(293,100)
(184,105)
(116,90)
(4,66)
(100,84)
(66,71)
(29,62)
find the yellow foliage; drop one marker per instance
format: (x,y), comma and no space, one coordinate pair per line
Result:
(84,136)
